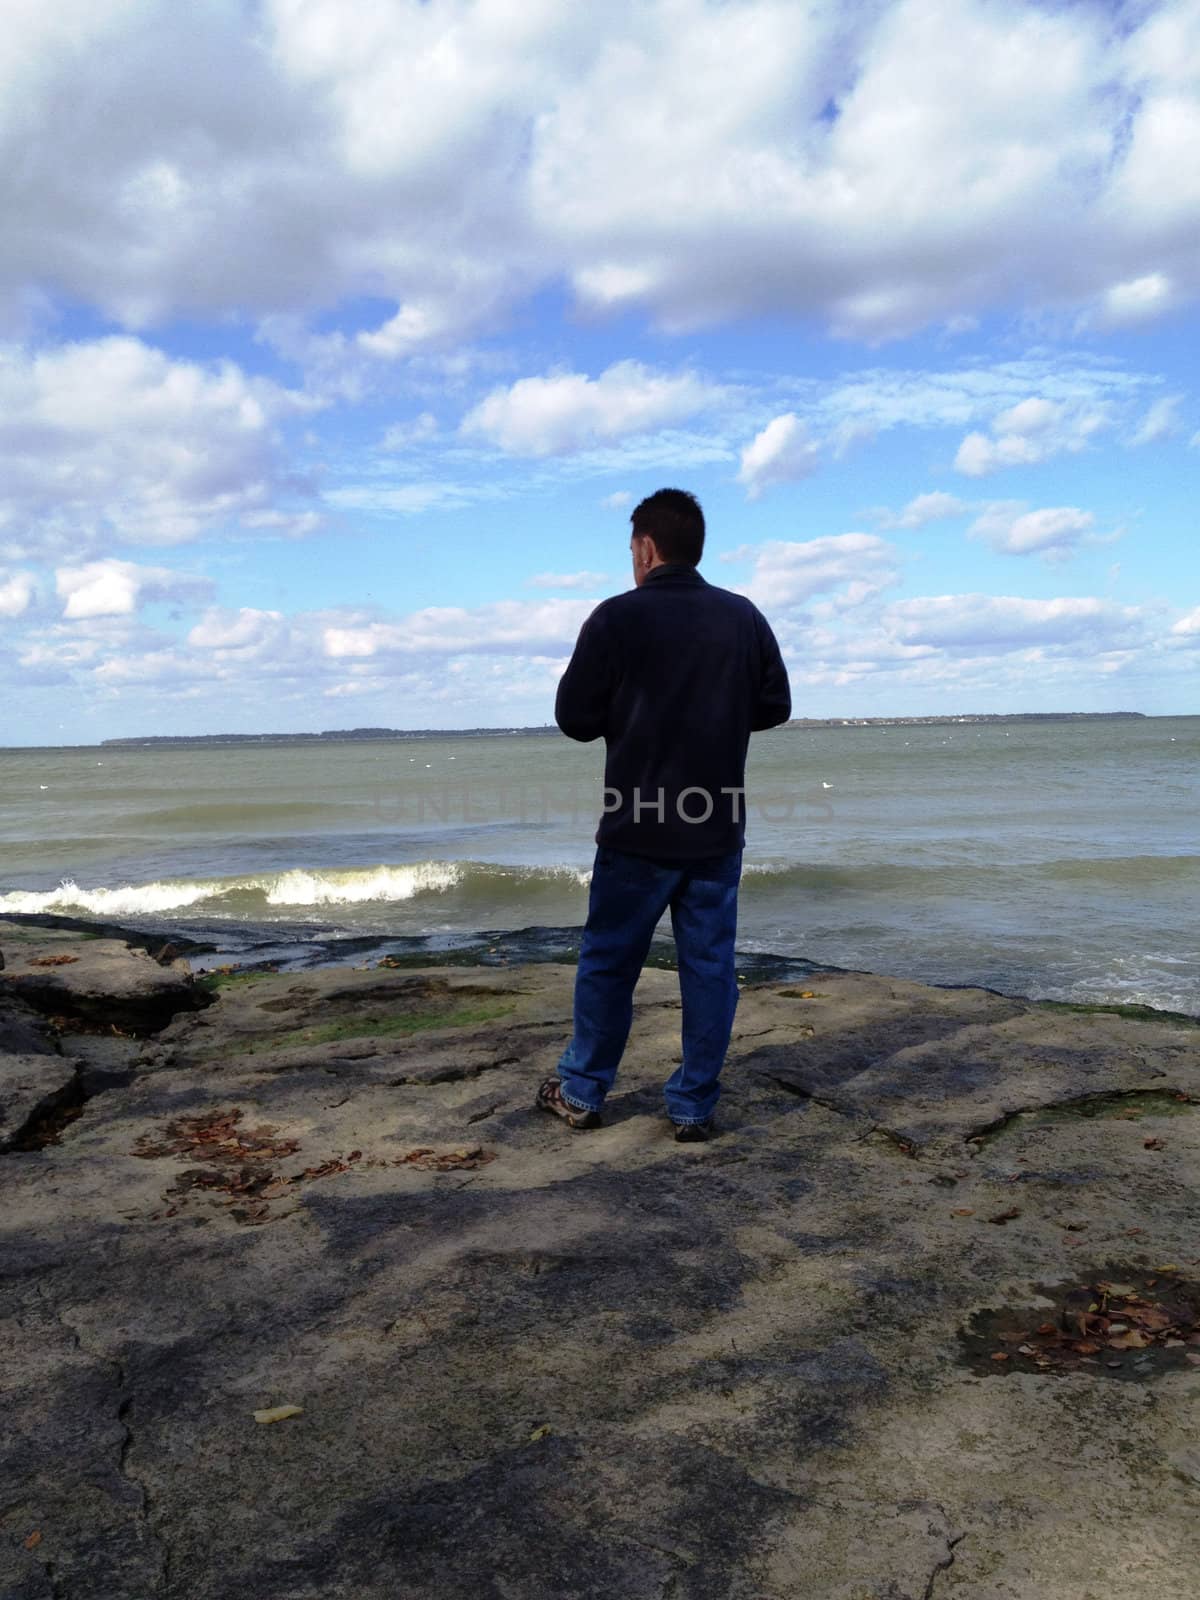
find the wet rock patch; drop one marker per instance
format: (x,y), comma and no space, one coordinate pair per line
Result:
(1121,1323)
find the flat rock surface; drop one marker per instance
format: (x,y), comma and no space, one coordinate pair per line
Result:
(100,980)
(534,1364)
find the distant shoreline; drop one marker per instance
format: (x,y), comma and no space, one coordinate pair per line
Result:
(367,735)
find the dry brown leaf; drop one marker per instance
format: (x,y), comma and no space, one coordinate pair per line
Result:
(34,1539)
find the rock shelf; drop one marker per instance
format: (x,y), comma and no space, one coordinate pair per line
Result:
(532,1364)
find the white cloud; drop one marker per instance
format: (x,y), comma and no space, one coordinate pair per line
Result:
(1053,532)
(114,437)
(1033,430)
(877,168)
(881,398)
(567,580)
(1138,300)
(924,509)
(112,588)
(782,452)
(411,499)
(991,624)
(504,627)
(568,411)
(418,430)
(1160,422)
(1188,625)
(855,566)
(16,591)
(246,630)
(618,500)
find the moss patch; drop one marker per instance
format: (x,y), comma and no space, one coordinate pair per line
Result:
(1134,1013)
(1131,1106)
(215,981)
(388,1025)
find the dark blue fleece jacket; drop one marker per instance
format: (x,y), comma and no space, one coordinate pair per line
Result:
(675,676)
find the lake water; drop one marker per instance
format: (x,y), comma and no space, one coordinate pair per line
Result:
(1053,859)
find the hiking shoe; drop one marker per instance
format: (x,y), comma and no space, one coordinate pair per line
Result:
(550,1098)
(694,1132)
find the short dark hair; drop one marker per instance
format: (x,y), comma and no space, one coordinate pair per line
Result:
(674,520)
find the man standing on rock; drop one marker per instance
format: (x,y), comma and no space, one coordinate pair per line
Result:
(675,674)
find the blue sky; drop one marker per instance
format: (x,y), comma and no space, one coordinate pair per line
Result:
(337,343)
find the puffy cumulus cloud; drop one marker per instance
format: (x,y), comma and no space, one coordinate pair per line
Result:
(782,452)
(904,164)
(1188,626)
(244,631)
(112,588)
(506,627)
(568,411)
(1139,300)
(877,167)
(1053,532)
(567,580)
(853,566)
(984,624)
(16,591)
(113,438)
(924,509)
(1033,430)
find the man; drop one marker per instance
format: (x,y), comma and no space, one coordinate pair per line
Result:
(675,675)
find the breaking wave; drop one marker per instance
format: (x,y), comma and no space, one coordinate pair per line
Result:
(299,889)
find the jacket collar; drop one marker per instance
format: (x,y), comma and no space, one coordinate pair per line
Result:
(673,572)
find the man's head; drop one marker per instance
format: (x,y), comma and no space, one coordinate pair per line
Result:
(667,526)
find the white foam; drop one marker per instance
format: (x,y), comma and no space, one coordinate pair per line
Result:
(300,888)
(129,899)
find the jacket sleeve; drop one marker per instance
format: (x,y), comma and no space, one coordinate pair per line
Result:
(774,704)
(585,689)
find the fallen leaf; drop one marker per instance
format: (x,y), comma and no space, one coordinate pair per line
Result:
(1048,1327)
(964,1211)
(278,1413)
(1152,1317)
(1006,1216)
(1002,1355)
(34,1539)
(51,961)
(1135,1339)
(1154,1144)
(540,1433)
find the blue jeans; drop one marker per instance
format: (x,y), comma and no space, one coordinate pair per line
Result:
(628,896)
